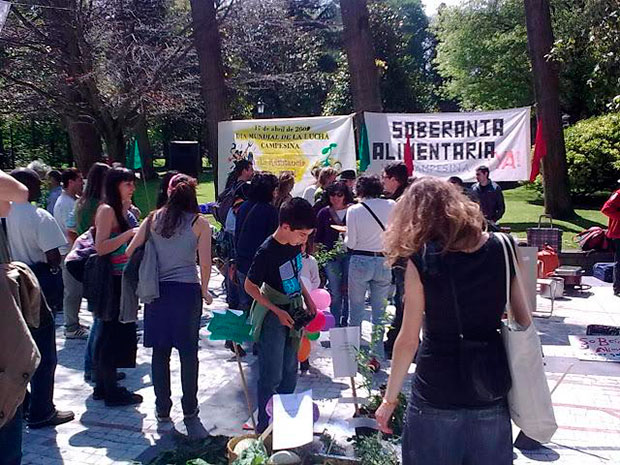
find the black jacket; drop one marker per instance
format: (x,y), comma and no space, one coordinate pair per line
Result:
(491,200)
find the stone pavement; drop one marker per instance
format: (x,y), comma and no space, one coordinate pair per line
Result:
(585,396)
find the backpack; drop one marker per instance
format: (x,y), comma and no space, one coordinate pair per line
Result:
(594,238)
(224,203)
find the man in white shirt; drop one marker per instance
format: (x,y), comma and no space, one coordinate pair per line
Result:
(366,223)
(34,238)
(72,186)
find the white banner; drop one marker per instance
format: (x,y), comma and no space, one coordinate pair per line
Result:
(4,12)
(291,144)
(454,144)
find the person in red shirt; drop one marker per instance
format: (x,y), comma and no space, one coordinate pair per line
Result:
(611,209)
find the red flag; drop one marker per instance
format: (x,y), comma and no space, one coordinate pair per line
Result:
(408,159)
(540,150)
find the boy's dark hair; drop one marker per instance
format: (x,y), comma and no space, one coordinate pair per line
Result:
(298,214)
(55,175)
(262,187)
(398,171)
(369,186)
(70,174)
(484,169)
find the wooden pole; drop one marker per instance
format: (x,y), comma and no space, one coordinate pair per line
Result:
(245,386)
(357,409)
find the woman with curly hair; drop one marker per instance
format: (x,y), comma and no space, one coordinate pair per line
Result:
(455,281)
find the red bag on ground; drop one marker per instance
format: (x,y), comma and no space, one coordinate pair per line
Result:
(548,260)
(594,238)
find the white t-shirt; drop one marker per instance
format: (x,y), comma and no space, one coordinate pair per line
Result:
(309,193)
(31,232)
(62,211)
(310,273)
(363,231)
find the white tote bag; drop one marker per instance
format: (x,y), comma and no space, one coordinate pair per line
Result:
(529,399)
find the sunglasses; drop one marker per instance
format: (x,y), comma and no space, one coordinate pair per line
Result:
(337,194)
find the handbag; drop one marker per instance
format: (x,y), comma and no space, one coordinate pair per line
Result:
(529,399)
(482,363)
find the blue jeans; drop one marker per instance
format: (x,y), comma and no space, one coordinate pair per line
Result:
(40,404)
(457,436)
(369,273)
(11,439)
(277,365)
(160,369)
(91,344)
(337,271)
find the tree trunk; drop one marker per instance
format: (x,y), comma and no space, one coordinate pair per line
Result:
(144,146)
(214,93)
(85,144)
(358,43)
(546,84)
(114,142)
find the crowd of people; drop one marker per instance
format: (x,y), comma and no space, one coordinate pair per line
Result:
(378,238)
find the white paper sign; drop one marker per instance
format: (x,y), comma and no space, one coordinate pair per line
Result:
(596,348)
(453,144)
(4,12)
(292,420)
(345,343)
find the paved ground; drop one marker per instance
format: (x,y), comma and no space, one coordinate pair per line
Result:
(585,396)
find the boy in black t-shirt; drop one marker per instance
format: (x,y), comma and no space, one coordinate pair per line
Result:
(273,282)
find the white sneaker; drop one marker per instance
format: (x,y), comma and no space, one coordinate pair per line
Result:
(79,333)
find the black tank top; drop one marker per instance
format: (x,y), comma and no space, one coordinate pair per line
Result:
(480,284)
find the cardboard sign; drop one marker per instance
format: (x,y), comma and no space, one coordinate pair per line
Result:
(345,343)
(596,348)
(292,420)
(229,325)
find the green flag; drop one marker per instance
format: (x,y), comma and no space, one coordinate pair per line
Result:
(363,149)
(229,326)
(134,162)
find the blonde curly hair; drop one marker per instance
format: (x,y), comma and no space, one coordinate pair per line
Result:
(433,210)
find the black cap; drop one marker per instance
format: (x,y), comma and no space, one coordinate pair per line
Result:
(347,175)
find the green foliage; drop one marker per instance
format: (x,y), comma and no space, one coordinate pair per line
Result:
(256,454)
(209,451)
(372,450)
(482,54)
(483,57)
(397,421)
(274,52)
(323,256)
(593,154)
(403,46)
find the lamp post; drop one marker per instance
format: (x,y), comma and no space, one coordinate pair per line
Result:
(260,107)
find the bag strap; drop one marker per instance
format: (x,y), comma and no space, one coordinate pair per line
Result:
(245,220)
(509,251)
(373,215)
